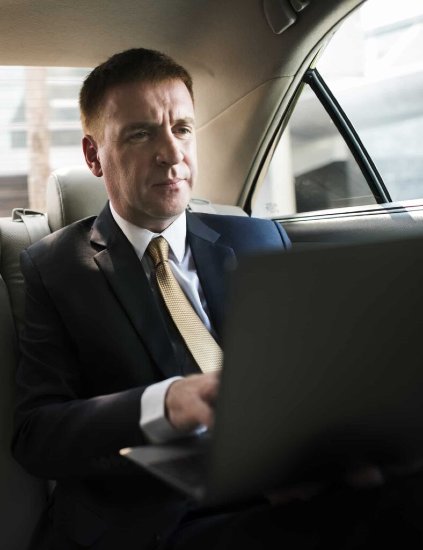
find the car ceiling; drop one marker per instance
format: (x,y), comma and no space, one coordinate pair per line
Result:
(244,73)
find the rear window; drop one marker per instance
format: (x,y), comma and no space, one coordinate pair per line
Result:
(40,130)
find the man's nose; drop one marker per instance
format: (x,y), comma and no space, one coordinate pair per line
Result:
(169,151)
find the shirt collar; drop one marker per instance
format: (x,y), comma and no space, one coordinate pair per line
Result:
(140,238)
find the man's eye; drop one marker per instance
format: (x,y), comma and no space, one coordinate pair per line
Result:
(183,131)
(140,134)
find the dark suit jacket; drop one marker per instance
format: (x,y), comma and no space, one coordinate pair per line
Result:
(95,338)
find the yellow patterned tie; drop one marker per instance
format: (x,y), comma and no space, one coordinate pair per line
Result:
(200,342)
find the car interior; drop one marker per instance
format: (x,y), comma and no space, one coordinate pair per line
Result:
(250,61)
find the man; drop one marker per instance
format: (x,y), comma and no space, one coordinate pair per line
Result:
(106,363)
(100,350)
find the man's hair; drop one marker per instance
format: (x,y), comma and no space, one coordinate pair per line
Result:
(134,65)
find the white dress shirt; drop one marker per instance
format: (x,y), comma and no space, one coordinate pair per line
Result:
(153,421)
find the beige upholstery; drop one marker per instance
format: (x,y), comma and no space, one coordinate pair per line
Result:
(22,497)
(14,236)
(74,193)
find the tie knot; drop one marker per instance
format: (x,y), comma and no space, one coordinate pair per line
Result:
(158,250)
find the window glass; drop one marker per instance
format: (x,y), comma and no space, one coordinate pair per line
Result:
(40,130)
(312,168)
(373,66)
(382,96)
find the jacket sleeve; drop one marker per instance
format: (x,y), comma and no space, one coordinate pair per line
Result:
(59,429)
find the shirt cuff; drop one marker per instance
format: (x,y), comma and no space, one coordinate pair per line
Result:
(153,421)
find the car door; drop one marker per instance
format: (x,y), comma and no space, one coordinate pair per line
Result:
(346,163)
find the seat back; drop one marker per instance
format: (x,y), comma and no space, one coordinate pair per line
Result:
(22,496)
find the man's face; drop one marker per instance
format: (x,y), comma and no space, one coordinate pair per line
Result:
(147,151)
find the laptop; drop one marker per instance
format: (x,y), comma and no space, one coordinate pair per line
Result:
(323,369)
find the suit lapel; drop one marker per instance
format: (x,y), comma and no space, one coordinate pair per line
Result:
(211,259)
(128,281)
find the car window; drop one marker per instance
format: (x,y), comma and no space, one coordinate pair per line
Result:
(374,69)
(40,130)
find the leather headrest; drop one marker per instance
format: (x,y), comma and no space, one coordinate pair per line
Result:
(73,193)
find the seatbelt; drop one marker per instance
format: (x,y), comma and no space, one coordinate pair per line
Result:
(35,223)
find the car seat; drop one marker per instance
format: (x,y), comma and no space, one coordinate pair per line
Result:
(72,194)
(22,496)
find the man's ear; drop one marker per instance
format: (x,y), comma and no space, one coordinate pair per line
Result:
(90,149)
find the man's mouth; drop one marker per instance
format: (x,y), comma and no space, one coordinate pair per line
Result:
(172,183)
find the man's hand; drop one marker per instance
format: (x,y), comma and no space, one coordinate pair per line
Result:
(190,401)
